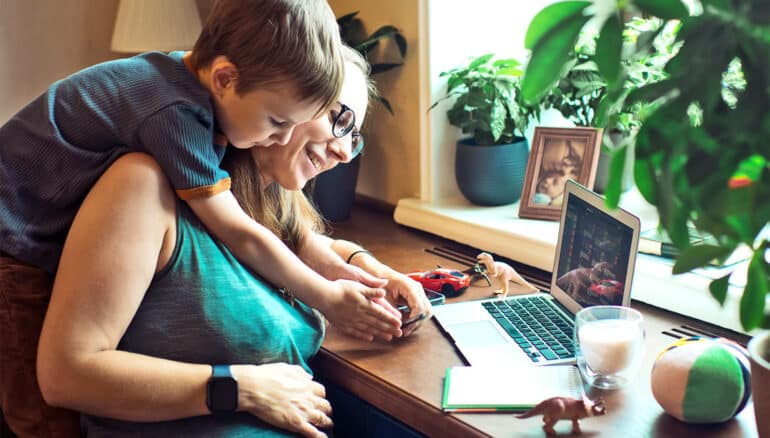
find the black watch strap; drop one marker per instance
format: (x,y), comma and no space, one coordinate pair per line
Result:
(222,391)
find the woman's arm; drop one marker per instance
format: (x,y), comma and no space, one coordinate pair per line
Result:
(124,232)
(119,239)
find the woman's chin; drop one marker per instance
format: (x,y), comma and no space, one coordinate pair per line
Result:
(297,182)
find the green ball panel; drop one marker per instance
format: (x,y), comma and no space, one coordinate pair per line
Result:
(715,387)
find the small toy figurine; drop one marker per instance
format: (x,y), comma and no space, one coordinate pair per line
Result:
(565,408)
(477,271)
(502,272)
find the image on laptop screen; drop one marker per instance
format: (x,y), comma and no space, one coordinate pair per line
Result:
(593,262)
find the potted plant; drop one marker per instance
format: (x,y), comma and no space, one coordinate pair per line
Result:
(702,154)
(333,191)
(491,163)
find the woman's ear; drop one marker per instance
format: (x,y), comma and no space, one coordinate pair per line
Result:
(223,76)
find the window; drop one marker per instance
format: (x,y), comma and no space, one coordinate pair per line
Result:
(458,30)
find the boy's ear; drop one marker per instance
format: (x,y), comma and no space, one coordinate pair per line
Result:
(224,75)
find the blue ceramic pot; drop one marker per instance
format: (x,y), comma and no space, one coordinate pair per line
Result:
(335,190)
(491,175)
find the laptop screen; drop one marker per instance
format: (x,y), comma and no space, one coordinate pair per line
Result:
(595,251)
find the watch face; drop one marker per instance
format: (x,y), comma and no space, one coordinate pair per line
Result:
(223,394)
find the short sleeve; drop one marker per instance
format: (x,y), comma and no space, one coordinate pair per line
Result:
(182,142)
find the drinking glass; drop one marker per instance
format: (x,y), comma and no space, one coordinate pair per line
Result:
(609,342)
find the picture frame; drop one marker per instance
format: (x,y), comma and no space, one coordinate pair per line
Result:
(557,154)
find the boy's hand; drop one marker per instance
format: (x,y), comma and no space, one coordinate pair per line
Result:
(362,312)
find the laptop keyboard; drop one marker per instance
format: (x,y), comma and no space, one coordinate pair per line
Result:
(536,327)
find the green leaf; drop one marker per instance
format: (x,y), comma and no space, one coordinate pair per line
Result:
(718,289)
(698,255)
(665,9)
(614,186)
(505,64)
(548,57)
(510,71)
(481,60)
(551,17)
(651,92)
(644,176)
(608,49)
(365,46)
(401,43)
(384,102)
(497,120)
(677,226)
(346,19)
(752,308)
(384,66)
(387,31)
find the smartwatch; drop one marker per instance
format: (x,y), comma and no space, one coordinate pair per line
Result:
(222,391)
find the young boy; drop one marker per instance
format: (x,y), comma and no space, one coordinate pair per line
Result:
(258,68)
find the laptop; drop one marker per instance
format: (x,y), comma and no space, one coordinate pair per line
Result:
(593,265)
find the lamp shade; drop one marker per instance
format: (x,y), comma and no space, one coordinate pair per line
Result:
(165,25)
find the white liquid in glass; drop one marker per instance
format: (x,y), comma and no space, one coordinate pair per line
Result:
(609,346)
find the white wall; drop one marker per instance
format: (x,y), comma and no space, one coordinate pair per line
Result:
(44,40)
(390,166)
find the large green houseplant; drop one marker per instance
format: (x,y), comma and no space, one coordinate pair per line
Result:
(700,157)
(491,162)
(333,191)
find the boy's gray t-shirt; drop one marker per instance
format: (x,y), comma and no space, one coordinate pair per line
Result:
(54,149)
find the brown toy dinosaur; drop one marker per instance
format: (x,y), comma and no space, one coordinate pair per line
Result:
(502,273)
(565,408)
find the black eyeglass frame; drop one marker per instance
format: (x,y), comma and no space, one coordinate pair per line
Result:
(357,140)
(338,120)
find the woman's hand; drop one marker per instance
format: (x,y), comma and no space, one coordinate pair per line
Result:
(285,396)
(402,288)
(361,311)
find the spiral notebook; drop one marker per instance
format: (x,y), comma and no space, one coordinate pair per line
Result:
(487,389)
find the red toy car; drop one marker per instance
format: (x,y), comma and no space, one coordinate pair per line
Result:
(607,288)
(449,282)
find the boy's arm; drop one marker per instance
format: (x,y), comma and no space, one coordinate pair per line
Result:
(317,248)
(348,305)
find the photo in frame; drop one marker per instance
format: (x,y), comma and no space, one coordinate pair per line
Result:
(557,154)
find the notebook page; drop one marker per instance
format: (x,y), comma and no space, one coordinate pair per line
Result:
(488,388)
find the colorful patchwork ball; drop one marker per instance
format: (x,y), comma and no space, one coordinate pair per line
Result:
(702,380)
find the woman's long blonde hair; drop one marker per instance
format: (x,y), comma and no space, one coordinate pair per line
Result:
(287,213)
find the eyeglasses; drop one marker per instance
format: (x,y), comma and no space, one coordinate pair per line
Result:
(345,123)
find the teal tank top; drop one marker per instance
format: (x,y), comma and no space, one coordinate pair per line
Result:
(205,307)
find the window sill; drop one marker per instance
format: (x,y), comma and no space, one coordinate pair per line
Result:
(499,230)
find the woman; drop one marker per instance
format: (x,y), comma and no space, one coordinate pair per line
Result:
(131,334)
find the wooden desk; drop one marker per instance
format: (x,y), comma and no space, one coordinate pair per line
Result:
(405,378)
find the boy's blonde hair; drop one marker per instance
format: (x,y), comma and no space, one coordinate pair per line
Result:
(288,214)
(273,42)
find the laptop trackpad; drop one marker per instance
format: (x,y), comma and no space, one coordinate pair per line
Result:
(477,333)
